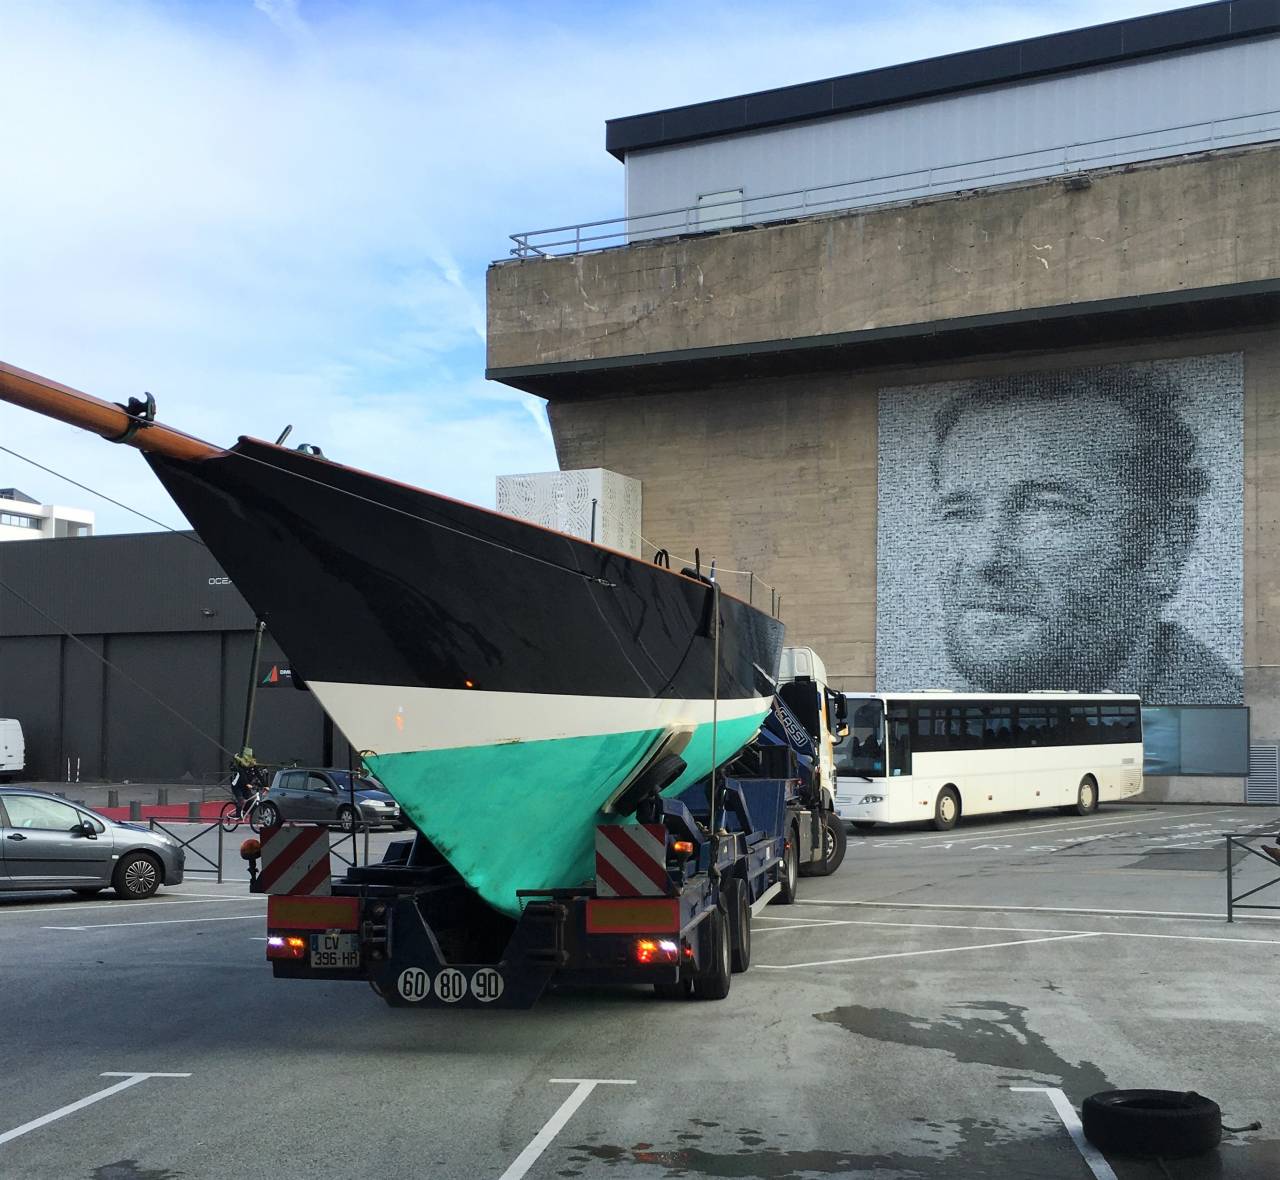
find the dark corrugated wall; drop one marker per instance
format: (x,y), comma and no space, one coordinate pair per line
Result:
(159,609)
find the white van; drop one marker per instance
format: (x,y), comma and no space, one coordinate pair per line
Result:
(13,751)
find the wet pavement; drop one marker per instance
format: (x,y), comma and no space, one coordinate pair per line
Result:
(911,1017)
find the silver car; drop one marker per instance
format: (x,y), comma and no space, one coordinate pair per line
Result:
(47,843)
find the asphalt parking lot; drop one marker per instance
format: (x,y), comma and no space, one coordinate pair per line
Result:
(915,1015)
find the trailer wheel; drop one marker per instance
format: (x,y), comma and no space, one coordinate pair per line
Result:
(790,875)
(739,909)
(712,979)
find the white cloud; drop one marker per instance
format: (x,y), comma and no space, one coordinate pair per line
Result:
(280,212)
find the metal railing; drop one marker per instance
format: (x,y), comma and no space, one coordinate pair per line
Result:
(215,865)
(895,187)
(1235,901)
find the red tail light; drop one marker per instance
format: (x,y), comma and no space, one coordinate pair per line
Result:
(656,950)
(289,946)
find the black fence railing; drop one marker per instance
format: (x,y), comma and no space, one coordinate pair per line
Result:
(1235,901)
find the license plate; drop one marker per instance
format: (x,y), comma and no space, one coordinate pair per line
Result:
(335,950)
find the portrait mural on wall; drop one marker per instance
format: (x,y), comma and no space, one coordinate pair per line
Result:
(1076,529)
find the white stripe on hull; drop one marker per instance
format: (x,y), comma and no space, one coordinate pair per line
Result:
(395,720)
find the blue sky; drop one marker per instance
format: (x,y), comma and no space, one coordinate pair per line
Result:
(281,212)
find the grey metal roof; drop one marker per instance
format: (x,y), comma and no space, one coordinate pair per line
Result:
(1077,49)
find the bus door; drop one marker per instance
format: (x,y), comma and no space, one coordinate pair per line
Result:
(899,726)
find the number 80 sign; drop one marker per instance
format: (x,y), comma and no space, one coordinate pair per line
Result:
(451,985)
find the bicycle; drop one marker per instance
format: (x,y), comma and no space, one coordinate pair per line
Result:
(247,810)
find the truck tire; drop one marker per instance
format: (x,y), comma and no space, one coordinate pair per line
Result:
(790,872)
(739,910)
(713,977)
(1165,1123)
(835,842)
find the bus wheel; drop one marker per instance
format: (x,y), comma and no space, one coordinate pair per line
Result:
(1087,799)
(947,810)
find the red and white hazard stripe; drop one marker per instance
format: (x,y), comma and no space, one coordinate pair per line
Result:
(295,861)
(631,860)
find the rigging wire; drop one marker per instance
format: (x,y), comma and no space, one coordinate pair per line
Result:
(103,496)
(115,668)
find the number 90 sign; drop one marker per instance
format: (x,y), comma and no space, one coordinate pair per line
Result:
(451,985)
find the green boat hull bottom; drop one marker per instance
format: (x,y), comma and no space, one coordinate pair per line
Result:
(515,816)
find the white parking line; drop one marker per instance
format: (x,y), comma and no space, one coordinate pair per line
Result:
(1034,930)
(1066,1112)
(108,904)
(945,950)
(553,1126)
(1006,831)
(130,1079)
(1029,909)
(157,922)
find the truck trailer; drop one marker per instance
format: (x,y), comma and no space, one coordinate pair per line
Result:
(677,882)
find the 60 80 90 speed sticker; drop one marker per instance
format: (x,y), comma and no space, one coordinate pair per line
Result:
(451,985)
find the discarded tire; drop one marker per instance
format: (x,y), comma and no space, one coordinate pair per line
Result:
(1166,1123)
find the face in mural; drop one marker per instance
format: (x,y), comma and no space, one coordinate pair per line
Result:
(1076,529)
(1046,576)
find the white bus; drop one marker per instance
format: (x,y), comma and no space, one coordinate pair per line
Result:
(937,756)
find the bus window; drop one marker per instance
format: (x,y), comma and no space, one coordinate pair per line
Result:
(1120,723)
(899,740)
(1084,728)
(862,751)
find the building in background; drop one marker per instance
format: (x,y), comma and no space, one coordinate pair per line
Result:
(136,666)
(25,519)
(973,358)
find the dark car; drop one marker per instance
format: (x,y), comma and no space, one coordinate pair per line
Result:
(48,843)
(325,797)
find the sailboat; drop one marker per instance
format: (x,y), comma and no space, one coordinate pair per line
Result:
(504,681)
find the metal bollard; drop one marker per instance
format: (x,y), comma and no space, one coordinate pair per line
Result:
(135,810)
(193,810)
(113,798)
(162,796)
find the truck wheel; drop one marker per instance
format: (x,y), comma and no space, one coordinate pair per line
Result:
(739,910)
(947,810)
(712,979)
(790,872)
(1164,1123)
(835,841)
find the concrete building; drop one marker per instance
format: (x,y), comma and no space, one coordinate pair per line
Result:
(975,360)
(25,519)
(135,666)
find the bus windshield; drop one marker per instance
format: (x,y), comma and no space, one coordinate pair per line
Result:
(862,751)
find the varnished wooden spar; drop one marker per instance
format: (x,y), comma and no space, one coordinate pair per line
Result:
(112,422)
